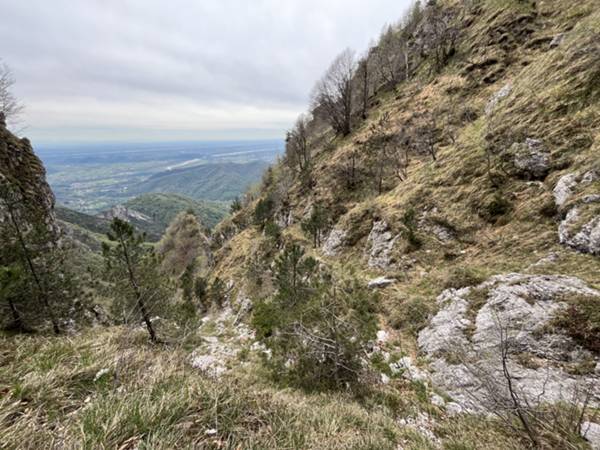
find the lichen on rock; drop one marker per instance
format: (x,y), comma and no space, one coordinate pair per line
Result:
(464,340)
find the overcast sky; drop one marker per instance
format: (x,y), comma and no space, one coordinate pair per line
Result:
(139,70)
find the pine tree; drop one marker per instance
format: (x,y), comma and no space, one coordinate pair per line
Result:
(31,248)
(134,272)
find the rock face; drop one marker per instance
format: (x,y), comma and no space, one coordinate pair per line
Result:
(564,189)
(24,175)
(284,219)
(502,93)
(465,340)
(580,228)
(531,160)
(334,242)
(380,244)
(124,213)
(591,432)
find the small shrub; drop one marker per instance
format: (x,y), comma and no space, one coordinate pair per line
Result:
(548,208)
(263,212)
(498,206)
(461,277)
(412,315)
(581,321)
(272,231)
(316,329)
(236,205)
(410,224)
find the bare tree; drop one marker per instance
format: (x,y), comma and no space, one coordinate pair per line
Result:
(9,105)
(297,148)
(391,57)
(363,82)
(426,137)
(438,36)
(332,96)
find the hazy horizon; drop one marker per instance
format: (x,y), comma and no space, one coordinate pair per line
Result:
(141,71)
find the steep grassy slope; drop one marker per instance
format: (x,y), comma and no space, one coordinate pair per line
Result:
(91,223)
(498,222)
(222,181)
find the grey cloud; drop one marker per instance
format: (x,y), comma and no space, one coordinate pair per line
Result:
(76,60)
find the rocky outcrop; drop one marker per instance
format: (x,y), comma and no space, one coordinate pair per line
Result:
(334,243)
(380,282)
(465,339)
(530,159)
(580,228)
(284,218)
(591,433)
(124,213)
(380,244)
(23,175)
(497,97)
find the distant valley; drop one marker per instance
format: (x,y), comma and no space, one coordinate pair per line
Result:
(94,178)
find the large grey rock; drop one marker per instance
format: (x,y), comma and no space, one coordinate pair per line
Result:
(580,228)
(464,344)
(584,238)
(284,219)
(530,159)
(591,433)
(564,189)
(335,242)
(380,244)
(502,93)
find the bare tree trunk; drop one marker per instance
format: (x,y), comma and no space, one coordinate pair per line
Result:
(17,321)
(138,294)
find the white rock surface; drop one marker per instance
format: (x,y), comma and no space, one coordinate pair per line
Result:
(334,243)
(463,351)
(531,159)
(380,244)
(584,238)
(497,97)
(409,371)
(564,189)
(380,282)
(382,336)
(591,432)
(581,235)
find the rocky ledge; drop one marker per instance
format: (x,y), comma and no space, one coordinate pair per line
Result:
(505,326)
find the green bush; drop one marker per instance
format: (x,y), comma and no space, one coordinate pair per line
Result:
(460,277)
(263,212)
(412,315)
(410,224)
(272,231)
(497,207)
(316,328)
(581,321)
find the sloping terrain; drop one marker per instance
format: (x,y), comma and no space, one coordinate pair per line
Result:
(163,208)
